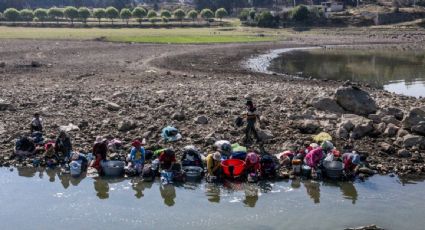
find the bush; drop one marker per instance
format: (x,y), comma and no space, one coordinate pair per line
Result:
(55,13)
(111,13)
(165,14)
(139,13)
(71,13)
(252,14)
(11,14)
(152,20)
(99,14)
(220,13)
(40,14)
(152,14)
(84,14)
(266,19)
(243,15)
(165,20)
(207,14)
(26,15)
(179,14)
(300,13)
(193,14)
(125,15)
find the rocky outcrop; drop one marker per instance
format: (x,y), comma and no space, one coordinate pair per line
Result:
(358,126)
(415,120)
(326,104)
(355,100)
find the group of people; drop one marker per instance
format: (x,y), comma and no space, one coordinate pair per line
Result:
(141,161)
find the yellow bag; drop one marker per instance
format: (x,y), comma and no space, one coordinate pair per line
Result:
(321,137)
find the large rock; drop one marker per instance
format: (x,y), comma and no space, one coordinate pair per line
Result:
(410,140)
(360,126)
(308,126)
(4,105)
(419,128)
(404,153)
(355,100)
(113,106)
(391,130)
(265,134)
(178,116)
(414,118)
(126,125)
(202,120)
(326,104)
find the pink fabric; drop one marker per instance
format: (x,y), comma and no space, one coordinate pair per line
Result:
(313,157)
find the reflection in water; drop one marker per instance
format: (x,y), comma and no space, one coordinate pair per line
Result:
(102,188)
(313,190)
(139,186)
(251,195)
(396,71)
(349,191)
(168,193)
(213,192)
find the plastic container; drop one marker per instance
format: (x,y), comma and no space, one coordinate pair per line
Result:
(334,169)
(296,166)
(233,167)
(75,168)
(113,168)
(167,177)
(306,170)
(193,172)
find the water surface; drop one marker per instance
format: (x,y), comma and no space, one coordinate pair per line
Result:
(401,72)
(37,199)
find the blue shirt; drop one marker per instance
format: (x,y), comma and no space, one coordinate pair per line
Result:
(137,155)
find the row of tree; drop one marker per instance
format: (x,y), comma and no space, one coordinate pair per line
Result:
(83,13)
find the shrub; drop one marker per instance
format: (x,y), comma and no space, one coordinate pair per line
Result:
(243,15)
(41,14)
(266,19)
(300,13)
(125,14)
(99,14)
(179,14)
(71,13)
(165,14)
(11,14)
(165,20)
(139,13)
(84,14)
(26,15)
(207,14)
(152,20)
(111,13)
(152,14)
(193,14)
(252,13)
(220,13)
(55,13)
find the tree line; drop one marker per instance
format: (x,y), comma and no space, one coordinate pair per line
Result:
(83,14)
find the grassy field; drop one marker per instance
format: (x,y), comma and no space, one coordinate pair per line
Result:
(175,35)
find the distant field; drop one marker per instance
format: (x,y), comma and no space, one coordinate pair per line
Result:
(175,35)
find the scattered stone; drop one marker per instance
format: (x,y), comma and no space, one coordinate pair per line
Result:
(411,140)
(178,116)
(113,106)
(277,99)
(342,133)
(68,128)
(35,64)
(419,128)
(4,105)
(368,227)
(119,94)
(403,153)
(326,104)
(2,64)
(203,120)
(415,116)
(308,126)
(359,126)
(355,100)
(391,130)
(126,125)
(386,148)
(265,134)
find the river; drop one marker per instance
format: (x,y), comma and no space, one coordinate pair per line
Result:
(39,199)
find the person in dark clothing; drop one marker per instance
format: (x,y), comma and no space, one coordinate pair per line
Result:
(63,146)
(36,123)
(251,116)
(100,149)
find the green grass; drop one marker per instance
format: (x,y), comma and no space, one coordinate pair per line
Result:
(175,35)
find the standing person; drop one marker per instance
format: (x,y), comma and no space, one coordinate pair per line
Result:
(100,150)
(36,123)
(251,116)
(137,156)
(63,145)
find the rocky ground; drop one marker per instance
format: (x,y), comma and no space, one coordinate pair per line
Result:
(130,91)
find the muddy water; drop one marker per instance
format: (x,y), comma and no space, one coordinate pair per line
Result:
(401,72)
(37,199)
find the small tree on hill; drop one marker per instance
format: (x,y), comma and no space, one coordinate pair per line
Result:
(84,14)
(111,13)
(151,14)
(41,14)
(55,14)
(125,15)
(179,14)
(71,13)
(165,14)
(300,13)
(193,14)
(139,13)
(207,14)
(99,14)
(11,14)
(26,15)
(220,13)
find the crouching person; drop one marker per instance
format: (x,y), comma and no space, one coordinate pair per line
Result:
(252,162)
(137,156)
(214,171)
(63,145)
(50,158)
(313,160)
(351,163)
(100,150)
